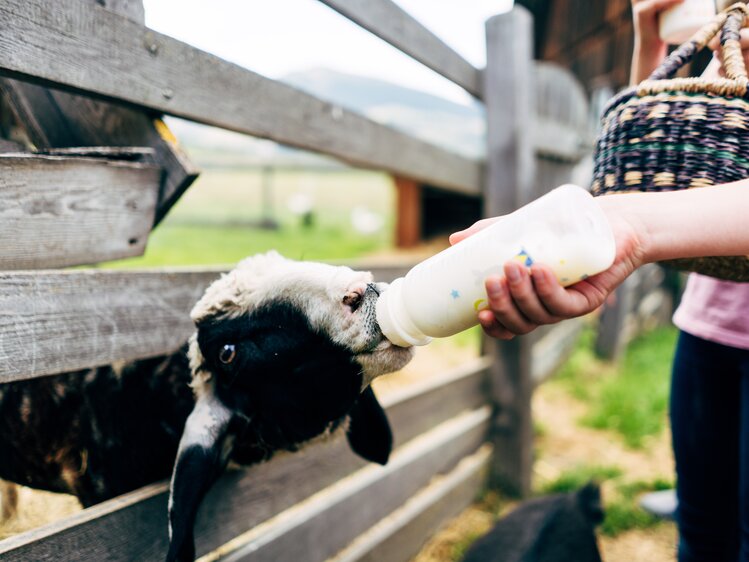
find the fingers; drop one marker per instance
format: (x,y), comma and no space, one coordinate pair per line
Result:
(471,230)
(522,300)
(506,311)
(645,19)
(714,44)
(516,301)
(649,9)
(653,6)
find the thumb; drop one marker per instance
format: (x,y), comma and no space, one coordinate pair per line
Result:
(456,237)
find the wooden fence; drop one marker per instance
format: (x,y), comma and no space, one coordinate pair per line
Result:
(68,64)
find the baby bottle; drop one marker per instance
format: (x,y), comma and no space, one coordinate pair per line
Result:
(565,229)
(678,24)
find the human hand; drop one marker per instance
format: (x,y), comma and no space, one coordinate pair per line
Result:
(715,68)
(645,19)
(524,299)
(649,49)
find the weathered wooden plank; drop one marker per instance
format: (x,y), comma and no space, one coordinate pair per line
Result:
(91,50)
(57,119)
(400,535)
(611,337)
(551,350)
(509,99)
(318,528)
(562,128)
(57,211)
(241,499)
(420,406)
(61,321)
(639,303)
(54,322)
(391,23)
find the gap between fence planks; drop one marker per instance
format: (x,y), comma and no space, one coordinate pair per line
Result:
(91,50)
(392,24)
(133,526)
(57,211)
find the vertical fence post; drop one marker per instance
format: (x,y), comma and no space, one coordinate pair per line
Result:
(409,212)
(611,339)
(508,94)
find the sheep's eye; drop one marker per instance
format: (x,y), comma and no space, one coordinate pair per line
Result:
(227,353)
(352,300)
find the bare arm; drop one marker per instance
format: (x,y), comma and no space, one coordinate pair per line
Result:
(711,221)
(649,49)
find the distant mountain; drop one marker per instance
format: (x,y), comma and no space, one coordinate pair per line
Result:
(432,118)
(442,122)
(361,93)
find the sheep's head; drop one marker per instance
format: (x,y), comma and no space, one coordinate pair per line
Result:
(284,351)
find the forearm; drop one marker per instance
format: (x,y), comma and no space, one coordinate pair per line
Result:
(710,221)
(645,59)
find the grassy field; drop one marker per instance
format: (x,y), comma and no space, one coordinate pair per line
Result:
(630,398)
(215,222)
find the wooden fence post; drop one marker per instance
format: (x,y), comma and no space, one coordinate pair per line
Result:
(408,212)
(508,93)
(611,339)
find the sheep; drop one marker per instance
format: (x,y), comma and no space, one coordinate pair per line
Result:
(283,352)
(555,528)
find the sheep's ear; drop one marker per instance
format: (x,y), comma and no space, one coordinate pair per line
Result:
(369,432)
(201,458)
(589,499)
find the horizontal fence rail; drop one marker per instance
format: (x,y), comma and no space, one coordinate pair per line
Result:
(58,211)
(52,119)
(89,50)
(552,346)
(351,506)
(391,23)
(58,321)
(133,526)
(399,536)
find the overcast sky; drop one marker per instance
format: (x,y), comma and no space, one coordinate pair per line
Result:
(277,37)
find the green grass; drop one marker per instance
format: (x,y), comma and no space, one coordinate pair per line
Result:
(577,477)
(459,549)
(630,398)
(209,245)
(625,515)
(212,223)
(623,512)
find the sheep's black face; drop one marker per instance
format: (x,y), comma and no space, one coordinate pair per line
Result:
(284,352)
(288,381)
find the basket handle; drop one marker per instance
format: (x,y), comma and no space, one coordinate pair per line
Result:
(729,22)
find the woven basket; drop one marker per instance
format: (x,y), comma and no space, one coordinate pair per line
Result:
(681,133)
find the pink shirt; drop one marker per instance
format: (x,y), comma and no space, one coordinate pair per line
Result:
(715,310)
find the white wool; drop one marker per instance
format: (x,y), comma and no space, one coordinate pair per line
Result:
(316,289)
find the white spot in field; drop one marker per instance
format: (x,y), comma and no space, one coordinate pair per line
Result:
(365,221)
(300,203)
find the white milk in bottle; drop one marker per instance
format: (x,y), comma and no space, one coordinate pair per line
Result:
(565,229)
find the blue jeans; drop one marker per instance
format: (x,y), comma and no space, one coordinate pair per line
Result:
(710,425)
